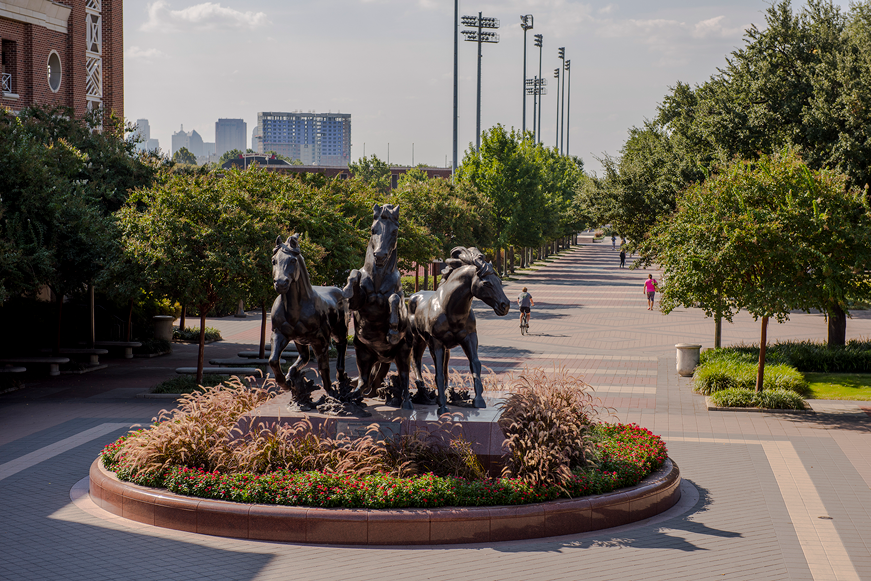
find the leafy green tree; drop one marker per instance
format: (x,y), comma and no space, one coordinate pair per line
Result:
(228,155)
(372,171)
(289,160)
(184,155)
(768,236)
(188,234)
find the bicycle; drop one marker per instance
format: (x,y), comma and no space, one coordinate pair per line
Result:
(524,323)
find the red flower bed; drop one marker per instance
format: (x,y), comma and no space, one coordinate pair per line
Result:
(623,455)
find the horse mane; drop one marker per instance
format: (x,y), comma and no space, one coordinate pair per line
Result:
(462,256)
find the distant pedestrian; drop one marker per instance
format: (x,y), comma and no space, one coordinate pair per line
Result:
(622,258)
(650,290)
(613,242)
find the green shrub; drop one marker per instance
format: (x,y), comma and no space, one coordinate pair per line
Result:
(805,356)
(150,346)
(188,384)
(193,334)
(776,399)
(739,371)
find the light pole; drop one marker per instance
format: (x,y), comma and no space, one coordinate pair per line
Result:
(556,76)
(525,24)
(480,36)
(456,74)
(539,42)
(568,68)
(536,87)
(562,55)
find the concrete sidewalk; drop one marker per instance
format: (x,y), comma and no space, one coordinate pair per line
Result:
(766,496)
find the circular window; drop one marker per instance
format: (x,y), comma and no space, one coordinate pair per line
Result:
(54,71)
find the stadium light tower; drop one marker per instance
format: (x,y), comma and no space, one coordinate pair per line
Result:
(539,42)
(556,76)
(525,24)
(568,68)
(480,36)
(562,56)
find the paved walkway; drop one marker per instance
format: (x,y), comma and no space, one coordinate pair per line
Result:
(765,496)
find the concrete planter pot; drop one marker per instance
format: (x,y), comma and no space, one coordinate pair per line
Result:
(163,327)
(687,358)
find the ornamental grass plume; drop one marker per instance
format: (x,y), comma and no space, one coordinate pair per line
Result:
(546,422)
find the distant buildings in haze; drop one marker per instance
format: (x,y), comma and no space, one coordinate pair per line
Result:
(143,130)
(194,143)
(230,134)
(322,139)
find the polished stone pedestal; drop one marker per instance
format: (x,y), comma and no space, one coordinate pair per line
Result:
(478,426)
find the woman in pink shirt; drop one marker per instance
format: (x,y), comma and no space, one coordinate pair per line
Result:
(650,290)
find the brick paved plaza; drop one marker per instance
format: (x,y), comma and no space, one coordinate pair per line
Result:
(755,485)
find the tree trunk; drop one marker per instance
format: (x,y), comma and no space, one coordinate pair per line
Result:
(837,326)
(202,350)
(92,335)
(760,370)
(435,277)
(129,320)
(511,251)
(718,331)
(262,354)
(426,277)
(59,299)
(416,277)
(184,308)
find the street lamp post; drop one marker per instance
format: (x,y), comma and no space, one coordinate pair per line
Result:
(525,24)
(562,55)
(539,42)
(556,76)
(569,109)
(480,36)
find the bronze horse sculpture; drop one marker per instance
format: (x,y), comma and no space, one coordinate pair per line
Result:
(306,315)
(443,319)
(374,294)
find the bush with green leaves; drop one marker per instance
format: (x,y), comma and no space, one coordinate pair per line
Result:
(806,356)
(193,334)
(781,399)
(738,371)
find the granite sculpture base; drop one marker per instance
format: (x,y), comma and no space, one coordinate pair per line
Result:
(477,426)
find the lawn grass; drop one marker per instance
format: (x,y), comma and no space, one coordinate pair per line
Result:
(854,386)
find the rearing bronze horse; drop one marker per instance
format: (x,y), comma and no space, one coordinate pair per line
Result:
(375,296)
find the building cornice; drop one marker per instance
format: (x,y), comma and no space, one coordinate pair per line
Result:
(45,13)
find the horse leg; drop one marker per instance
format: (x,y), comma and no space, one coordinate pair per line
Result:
(279,342)
(470,348)
(365,361)
(381,371)
(417,354)
(394,335)
(437,350)
(302,359)
(341,338)
(322,352)
(403,366)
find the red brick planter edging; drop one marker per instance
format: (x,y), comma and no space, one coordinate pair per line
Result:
(655,494)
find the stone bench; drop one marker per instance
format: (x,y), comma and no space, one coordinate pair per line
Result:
(239,362)
(53,363)
(12,369)
(93,354)
(219,371)
(128,346)
(286,354)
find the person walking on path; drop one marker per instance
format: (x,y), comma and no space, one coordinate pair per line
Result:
(524,300)
(650,290)
(613,242)
(622,258)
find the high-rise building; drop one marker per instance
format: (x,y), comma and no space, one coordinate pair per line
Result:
(190,140)
(312,138)
(62,53)
(230,134)
(143,131)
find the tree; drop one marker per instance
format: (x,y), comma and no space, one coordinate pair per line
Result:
(289,160)
(189,235)
(228,155)
(184,155)
(768,236)
(372,171)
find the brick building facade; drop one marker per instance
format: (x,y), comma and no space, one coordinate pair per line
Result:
(63,52)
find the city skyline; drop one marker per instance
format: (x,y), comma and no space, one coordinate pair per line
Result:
(398,84)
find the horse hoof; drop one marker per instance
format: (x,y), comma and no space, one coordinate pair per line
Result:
(393,337)
(443,409)
(479,402)
(407,405)
(394,402)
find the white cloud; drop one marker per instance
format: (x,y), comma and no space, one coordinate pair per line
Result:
(607,9)
(205,16)
(134,52)
(713,27)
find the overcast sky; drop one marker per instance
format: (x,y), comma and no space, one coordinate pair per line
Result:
(390,64)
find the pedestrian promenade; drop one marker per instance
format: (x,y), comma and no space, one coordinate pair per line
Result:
(765,496)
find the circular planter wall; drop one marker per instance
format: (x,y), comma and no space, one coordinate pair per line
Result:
(655,494)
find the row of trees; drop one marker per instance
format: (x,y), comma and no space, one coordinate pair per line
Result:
(776,148)
(79,208)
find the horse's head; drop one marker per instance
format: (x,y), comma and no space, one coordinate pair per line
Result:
(385,230)
(286,263)
(486,284)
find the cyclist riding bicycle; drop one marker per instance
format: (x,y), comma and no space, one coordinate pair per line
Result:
(525,301)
